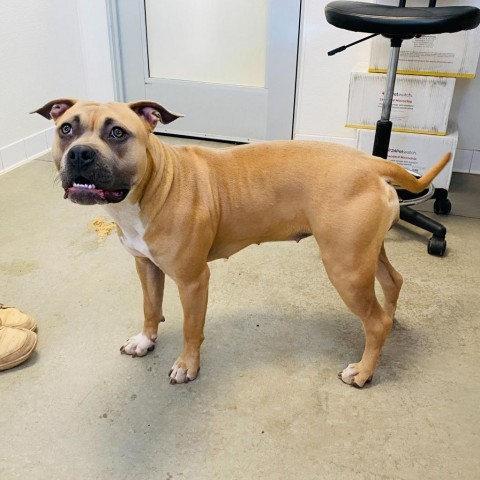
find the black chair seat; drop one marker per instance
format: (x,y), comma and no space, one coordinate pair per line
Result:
(402,22)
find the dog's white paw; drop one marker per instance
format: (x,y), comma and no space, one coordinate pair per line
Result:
(352,376)
(181,373)
(138,345)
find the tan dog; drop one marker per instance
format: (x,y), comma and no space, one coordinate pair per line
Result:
(178,208)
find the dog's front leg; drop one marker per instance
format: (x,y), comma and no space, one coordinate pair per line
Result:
(153,281)
(194,297)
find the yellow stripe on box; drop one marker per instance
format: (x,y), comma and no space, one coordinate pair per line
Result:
(426,74)
(402,130)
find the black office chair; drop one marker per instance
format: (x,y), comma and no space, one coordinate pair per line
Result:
(398,24)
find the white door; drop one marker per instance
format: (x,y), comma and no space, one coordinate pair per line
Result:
(229,66)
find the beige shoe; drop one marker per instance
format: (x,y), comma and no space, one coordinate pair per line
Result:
(13,317)
(16,346)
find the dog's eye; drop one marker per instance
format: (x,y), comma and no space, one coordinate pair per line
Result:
(66,128)
(117,132)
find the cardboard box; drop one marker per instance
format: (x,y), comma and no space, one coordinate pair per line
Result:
(421,104)
(448,54)
(416,152)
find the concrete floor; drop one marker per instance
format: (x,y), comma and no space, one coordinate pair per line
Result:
(267,404)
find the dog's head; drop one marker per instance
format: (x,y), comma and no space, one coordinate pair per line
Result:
(100,148)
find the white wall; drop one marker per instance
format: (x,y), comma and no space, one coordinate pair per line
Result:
(49,49)
(323,88)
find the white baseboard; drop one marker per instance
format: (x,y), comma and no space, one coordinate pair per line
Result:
(26,149)
(475,166)
(463,161)
(466,161)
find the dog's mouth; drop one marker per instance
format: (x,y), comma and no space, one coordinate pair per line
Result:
(85,192)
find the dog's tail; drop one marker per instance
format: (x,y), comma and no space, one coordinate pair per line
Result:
(399,176)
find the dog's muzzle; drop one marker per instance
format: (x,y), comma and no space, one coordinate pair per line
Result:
(82,180)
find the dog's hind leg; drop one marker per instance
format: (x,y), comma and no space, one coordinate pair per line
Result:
(391,282)
(351,265)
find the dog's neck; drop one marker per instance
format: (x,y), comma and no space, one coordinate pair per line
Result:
(157,178)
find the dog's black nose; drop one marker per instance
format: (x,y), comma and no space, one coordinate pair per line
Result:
(81,156)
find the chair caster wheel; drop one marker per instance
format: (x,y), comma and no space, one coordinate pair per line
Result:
(442,206)
(437,246)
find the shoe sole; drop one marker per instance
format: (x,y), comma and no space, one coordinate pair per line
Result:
(21,359)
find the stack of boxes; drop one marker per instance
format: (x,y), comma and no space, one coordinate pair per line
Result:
(427,69)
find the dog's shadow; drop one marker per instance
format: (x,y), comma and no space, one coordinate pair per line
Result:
(247,341)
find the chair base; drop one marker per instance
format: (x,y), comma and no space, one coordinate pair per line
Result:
(442,205)
(437,243)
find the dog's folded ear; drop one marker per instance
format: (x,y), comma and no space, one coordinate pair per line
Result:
(52,110)
(153,113)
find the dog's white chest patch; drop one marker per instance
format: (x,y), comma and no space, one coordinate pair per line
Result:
(127,217)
